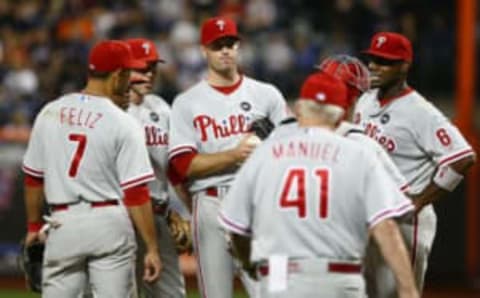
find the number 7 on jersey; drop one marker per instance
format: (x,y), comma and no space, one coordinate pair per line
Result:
(296,180)
(77,157)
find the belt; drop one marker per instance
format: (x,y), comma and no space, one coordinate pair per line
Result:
(160,208)
(62,207)
(332,267)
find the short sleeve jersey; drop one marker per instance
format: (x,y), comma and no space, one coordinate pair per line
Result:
(85,147)
(298,196)
(153,114)
(205,120)
(416,135)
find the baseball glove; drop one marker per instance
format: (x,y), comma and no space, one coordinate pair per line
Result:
(262,127)
(30,262)
(180,230)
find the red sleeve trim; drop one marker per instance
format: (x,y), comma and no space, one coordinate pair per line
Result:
(32,172)
(180,150)
(389,213)
(456,157)
(136,196)
(137,181)
(32,181)
(178,166)
(34,227)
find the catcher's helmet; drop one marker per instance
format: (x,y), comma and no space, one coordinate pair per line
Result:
(348,69)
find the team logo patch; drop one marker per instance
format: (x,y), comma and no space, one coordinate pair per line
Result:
(385,118)
(154,117)
(246,106)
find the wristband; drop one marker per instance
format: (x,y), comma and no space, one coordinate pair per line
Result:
(446,178)
(34,227)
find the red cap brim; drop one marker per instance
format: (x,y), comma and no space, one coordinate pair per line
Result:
(135,64)
(383,55)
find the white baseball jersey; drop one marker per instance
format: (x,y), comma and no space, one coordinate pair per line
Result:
(205,120)
(355,133)
(153,114)
(85,147)
(294,196)
(416,135)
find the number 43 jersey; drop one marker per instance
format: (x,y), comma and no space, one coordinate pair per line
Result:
(85,147)
(417,136)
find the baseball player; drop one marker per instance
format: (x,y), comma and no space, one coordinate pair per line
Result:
(86,155)
(292,200)
(209,139)
(428,149)
(153,114)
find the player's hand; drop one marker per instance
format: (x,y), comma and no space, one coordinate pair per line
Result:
(31,238)
(418,202)
(152,265)
(244,148)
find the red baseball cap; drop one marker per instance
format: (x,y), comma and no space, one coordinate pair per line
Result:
(217,27)
(110,55)
(390,45)
(144,49)
(325,89)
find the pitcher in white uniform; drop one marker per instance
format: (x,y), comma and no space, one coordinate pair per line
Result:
(209,139)
(306,201)
(429,150)
(153,113)
(88,157)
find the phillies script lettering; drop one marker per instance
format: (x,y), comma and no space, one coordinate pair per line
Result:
(209,127)
(155,136)
(79,117)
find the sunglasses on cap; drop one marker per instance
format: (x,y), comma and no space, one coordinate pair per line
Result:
(383,61)
(220,43)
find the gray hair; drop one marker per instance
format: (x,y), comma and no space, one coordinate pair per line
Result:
(331,114)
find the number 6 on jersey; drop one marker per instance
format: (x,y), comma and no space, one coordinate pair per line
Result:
(296,180)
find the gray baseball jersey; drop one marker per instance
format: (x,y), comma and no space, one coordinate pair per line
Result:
(294,196)
(205,120)
(86,147)
(88,150)
(417,136)
(355,133)
(153,114)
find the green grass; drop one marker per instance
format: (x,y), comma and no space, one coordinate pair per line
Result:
(23,294)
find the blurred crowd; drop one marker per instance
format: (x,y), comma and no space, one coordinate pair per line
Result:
(44,43)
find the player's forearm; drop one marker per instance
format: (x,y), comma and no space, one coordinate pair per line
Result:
(142,216)
(34,203)
(434,192)
(241,248)
(392,246)
(204,165)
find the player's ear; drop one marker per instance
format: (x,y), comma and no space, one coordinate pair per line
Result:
(404,67)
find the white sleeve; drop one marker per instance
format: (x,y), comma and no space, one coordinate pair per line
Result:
(391,169)
(181,130)
(437,136)
(33,161)
(279,109)
(383,199)
(132,161)
(237,207)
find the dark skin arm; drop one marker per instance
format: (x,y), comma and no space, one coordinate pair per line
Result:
(241,247)
(432,192)
(34,199)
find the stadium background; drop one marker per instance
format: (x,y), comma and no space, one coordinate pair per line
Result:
(44,46)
